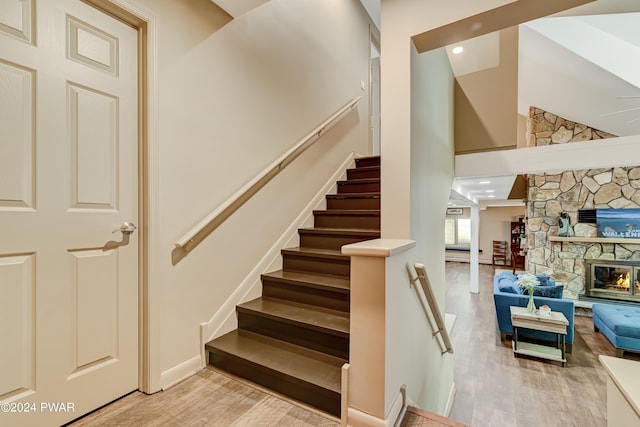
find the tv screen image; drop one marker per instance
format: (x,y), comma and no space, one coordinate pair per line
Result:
(620,223)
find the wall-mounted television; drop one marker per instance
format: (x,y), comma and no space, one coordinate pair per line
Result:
(619,223)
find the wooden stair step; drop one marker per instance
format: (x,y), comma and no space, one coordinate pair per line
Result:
(334,238)
(329,321)
(322,291)
(363,172)
(347,212)
(366,219)
(316,260)
(353,201)
(306,375)
(317,328)
(367,161)
(365,185)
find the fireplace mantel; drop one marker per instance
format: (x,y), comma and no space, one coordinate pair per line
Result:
(574,239)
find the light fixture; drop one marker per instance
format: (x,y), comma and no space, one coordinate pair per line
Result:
(491,196)
(484,182)
(489,191)
(457,50)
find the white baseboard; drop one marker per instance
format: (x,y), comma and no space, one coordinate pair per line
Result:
(224,320)
(173,376)
(450,399)
(357,418)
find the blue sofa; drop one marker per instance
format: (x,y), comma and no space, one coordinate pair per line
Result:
(506,294)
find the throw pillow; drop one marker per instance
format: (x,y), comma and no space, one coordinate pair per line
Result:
(508,275)
(543,279)
(507,285)
(554,291)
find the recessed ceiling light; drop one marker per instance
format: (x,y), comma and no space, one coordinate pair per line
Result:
(485,182)
(491,196)
(489,191)
(457,50)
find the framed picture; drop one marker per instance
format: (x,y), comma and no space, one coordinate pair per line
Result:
(454,211)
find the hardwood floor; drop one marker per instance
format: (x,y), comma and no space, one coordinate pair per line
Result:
(496,389)
(493,387)
(209,398)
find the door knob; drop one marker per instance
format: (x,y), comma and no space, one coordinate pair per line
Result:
(127,228)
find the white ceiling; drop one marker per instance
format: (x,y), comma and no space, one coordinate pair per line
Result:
(486,191)
(584,69)
(581,68)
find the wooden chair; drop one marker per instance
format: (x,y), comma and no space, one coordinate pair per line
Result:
(517,261)
(500,252)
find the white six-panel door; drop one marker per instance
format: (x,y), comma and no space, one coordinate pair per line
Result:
(68,179)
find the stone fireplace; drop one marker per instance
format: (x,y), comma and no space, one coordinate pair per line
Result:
(619,280)
(549,195)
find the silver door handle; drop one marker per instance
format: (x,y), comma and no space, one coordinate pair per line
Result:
(127,228)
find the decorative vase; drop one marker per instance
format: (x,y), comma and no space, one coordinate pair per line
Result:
(531,306)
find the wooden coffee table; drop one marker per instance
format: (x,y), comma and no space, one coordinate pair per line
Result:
(556,323)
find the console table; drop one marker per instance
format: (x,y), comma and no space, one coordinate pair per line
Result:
(556,323)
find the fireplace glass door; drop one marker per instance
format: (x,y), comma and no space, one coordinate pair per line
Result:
(613,279)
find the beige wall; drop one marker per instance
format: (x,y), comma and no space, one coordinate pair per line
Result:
(234,95)
(486,102)
(494,225)
(402,137)
(431,180)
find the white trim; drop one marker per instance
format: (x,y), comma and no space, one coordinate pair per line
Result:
(150,370)
(357,418)
(614,152)
(450,400)
(382,248)
(181,372)
(224,320)
(344,395)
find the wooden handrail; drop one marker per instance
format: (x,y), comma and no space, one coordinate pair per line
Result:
(205,227)
(441,328)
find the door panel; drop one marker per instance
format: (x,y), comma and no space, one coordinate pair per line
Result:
(68,179)
(16,151)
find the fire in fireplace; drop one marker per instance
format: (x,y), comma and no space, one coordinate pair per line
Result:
(622,282)
(613,279)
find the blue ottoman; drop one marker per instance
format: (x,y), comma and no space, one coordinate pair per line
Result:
(620,324)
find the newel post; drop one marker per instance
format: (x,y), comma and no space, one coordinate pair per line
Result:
(378,271)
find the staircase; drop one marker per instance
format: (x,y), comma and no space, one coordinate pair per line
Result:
(294,339)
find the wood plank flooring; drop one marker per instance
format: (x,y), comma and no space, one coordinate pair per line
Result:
(494,389)
(209,398)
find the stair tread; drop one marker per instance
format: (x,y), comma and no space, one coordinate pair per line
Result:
(311,366)
(373,156)
(348,212)
(365,168)
(315,280)
(361,181)
(371,195)
(327,253)
(340,231)
(318,318)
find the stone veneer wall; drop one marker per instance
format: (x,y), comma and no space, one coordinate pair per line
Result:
(568,191)
(544,128)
